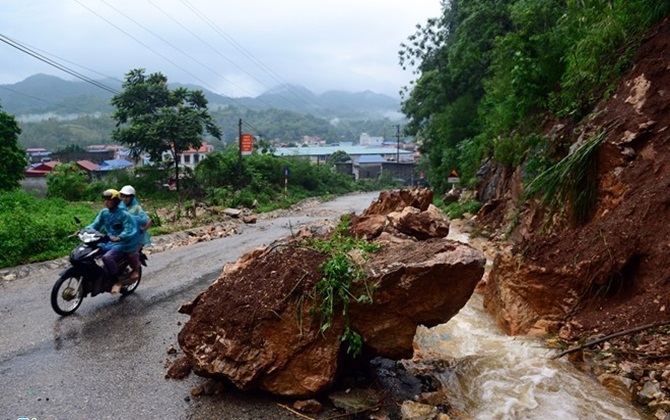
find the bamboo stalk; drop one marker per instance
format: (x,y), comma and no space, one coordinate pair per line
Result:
(607,337)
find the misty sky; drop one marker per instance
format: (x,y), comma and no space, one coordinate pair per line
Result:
(232,47)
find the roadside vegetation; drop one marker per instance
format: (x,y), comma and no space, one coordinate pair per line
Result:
(36,229)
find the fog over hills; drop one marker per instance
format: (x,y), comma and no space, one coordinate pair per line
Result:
(43,94)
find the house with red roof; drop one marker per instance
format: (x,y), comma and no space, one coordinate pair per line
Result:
(41,169)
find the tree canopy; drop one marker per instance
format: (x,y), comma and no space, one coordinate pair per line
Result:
(339,156)
(154,119)
(14,159)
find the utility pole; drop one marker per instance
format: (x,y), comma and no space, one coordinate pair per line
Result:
(239,164)
(397,159)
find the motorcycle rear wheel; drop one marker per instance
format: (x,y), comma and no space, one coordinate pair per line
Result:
(130,288)
(67,294)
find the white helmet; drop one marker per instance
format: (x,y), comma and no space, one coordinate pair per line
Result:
(127,190)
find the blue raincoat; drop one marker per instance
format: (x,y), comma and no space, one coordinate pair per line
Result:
(117,222)
(141,219)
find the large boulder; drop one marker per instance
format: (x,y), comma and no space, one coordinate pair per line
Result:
(397,200)
(256,325)
(416,283)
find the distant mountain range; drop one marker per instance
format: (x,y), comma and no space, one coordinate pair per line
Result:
(42,94)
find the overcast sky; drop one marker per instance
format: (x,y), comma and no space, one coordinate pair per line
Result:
(232,47)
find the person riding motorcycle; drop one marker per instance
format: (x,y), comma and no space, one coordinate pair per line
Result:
(122,230)
(131,205)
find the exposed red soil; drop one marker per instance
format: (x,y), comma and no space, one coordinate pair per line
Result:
(620,257)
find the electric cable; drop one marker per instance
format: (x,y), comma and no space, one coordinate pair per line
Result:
(175,47)
(23,48)
(317,107)
(155,52)
(43,100)
(184,27)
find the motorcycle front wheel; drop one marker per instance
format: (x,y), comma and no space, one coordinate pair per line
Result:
(67,294)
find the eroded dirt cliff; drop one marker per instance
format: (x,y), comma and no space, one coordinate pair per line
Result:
(611,274)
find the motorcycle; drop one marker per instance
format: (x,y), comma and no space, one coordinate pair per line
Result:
(87,275)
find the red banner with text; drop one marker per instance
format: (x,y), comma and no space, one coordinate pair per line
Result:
(246,143)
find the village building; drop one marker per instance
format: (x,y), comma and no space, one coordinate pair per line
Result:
(366,162)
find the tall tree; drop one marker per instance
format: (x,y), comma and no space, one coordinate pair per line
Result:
(14,159)
(452,55)
(154,119)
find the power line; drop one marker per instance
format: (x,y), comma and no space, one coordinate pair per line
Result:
(23,48)
(317,108)
(210,47)
(72,63)
(140,42)
(171,44)
(43,100)
(250,126)
(152,50)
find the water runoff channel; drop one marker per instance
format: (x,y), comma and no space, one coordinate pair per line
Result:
(497,376)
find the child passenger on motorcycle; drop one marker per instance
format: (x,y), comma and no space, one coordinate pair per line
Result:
(121,228)
(132,206)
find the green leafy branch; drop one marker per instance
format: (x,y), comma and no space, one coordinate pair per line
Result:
(343,280)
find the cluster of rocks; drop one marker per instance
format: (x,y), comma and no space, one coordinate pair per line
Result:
(256,326)
(635,367)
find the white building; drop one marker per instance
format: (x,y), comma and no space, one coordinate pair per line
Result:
(367,140)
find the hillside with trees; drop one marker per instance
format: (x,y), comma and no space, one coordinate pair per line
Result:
(54,113)
(42,95)
(491,74)
(286,126)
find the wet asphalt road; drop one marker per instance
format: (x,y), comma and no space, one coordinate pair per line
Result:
(108,360)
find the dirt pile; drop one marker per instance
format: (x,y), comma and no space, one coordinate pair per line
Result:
(613,273)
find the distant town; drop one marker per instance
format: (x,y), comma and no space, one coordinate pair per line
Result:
(369,158)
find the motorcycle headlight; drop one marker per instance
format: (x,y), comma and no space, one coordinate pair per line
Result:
(87,237)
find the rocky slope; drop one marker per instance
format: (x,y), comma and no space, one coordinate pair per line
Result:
(611,274)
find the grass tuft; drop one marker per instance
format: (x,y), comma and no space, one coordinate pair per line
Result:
(571,184)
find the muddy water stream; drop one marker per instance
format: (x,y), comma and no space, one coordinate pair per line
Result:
(502,377)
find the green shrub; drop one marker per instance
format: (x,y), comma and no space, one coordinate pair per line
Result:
(457,210)
(342,281)
(261,179)
(66,181)
(33,229)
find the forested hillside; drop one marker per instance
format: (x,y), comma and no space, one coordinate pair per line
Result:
(42,94)
(492,73)
(54,113)
(557,112)
(287,126)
